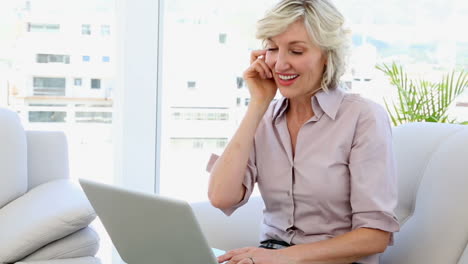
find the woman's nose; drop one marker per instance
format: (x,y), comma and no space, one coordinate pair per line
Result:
(281,63)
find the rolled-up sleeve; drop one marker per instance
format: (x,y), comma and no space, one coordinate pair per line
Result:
(250,178)
(372,168)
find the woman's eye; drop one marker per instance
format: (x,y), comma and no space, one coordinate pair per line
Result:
(272,49)
(296,52)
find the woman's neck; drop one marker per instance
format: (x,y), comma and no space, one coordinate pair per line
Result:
(300,109)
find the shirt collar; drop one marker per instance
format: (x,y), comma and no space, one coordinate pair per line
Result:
(327,102)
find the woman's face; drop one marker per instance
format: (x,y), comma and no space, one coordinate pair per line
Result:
(296,62)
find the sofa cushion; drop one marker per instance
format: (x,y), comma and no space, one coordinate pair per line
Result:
(13,157)
(46,213)
(82,243)
(85,260)
(436,232)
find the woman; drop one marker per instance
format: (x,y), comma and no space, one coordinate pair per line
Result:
(322,158)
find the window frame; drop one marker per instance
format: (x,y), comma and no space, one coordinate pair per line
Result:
(138,49)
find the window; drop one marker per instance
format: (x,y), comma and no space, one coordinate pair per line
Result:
(210,114)
(105,58)
(42,58)
(223,116)
(41,27)
(27,6)
(86,29)
(47,116)
(37,39)
(77,81)
(198,144)
(239,82)
(45,86)
(93,117)
(105,30)
(95,84)
(222,38)
(191,84)
(382,32)
(221,143)
(52,58)
(176,115)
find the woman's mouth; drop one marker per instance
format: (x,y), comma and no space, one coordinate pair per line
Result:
(287,79)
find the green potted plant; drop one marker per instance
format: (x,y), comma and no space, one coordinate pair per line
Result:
(422,100)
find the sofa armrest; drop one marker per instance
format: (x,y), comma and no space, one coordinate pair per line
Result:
(85,260)
(47,157)
(241,229)
(44,214)
(82,243)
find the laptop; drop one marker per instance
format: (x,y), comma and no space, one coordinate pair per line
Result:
(149,229)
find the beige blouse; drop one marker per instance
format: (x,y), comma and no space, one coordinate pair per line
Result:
(342,176)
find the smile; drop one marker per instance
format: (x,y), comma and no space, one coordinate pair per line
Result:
(287,77)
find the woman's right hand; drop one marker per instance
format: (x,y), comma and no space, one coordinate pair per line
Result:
(259,79)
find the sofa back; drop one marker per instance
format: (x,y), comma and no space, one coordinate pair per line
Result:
(432,160)
(13,157)
(47,157)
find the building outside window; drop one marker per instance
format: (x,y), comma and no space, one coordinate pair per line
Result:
(222,35)
(39,37)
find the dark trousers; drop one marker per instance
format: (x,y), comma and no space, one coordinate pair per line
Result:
(277,244)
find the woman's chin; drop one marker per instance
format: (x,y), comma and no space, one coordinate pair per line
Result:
(287,92)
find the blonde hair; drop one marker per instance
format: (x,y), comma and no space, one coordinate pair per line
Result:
(324,24)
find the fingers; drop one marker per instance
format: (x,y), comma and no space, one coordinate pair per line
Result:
(258,65)
(242,258)
(255,54)
(245,261)
(232,253)
(266,69)
(259,69)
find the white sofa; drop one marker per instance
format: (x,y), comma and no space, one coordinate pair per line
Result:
(44,216)
(432,164)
